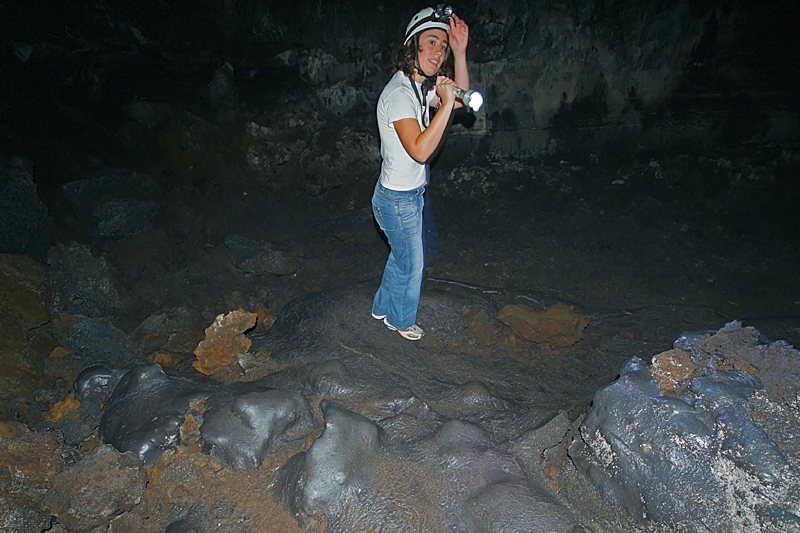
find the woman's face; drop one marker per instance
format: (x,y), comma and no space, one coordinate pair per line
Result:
(432,50)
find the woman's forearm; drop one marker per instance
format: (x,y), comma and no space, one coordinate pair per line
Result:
(461,71)
(422,145)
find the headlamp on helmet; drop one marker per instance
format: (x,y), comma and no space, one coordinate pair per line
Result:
(429,18)
(444,12)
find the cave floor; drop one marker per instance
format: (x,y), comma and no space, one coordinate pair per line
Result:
(578,234)
(612,252)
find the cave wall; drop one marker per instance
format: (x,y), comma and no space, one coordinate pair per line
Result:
(558,76)
(580,75)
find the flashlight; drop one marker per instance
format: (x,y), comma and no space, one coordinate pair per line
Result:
(473,99)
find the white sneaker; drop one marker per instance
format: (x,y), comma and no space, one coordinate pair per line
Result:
(378,317)
(412,333)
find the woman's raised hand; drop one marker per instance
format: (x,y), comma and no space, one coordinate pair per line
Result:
(458,35)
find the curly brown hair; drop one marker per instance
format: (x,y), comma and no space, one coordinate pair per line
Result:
(406,60)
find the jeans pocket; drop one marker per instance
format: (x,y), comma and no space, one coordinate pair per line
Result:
(410,216)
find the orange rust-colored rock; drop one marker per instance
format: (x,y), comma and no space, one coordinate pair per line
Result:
(557,326)
(62,410)
(671,368)
(60,352)
(264,319)
(551,472)
(190,433)
(165,359)
(225,341)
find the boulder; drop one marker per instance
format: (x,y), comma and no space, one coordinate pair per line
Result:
(24,309)
(25,227)
(110,484)
(702,457)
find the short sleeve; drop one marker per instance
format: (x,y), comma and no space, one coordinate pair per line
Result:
(400,105)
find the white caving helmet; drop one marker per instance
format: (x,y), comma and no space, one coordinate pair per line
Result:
(428,18)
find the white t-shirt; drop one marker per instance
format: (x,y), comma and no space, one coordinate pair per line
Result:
(399,171)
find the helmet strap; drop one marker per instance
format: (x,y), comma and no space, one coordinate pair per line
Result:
(430,81)
(416,54)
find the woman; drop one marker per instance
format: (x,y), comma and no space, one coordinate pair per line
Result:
(409,140)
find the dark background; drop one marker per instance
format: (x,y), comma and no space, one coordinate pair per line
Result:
(628,152)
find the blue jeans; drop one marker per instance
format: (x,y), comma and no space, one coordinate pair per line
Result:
(399,214)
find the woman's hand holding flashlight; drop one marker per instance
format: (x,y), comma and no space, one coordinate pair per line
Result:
(445,88)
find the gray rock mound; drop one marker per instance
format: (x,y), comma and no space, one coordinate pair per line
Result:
(451,480)
(702,456)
